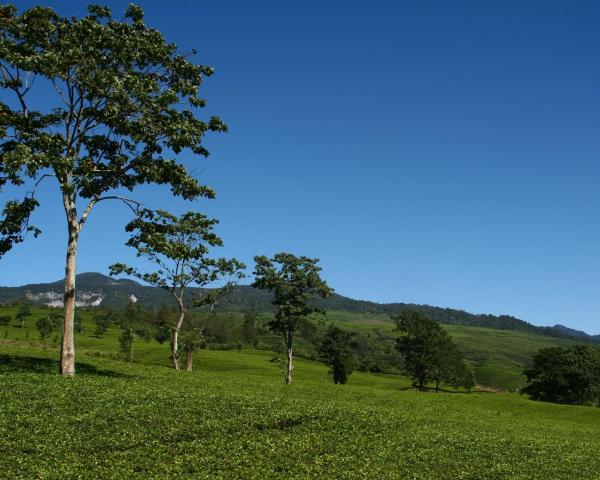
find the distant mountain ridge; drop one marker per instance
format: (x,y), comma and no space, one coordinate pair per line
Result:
(96,289)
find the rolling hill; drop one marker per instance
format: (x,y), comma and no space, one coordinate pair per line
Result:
(95,289)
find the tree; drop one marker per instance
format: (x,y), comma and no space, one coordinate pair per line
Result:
(338,352)
(77,324)
(294,281)
(449,367)
(23,314)
(180,248)
(122,103)
(565,375)
(192,339)
(45,325)
(163,320)
(103,322)
(428,351)
(126,342)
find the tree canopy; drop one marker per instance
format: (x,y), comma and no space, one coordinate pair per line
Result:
(295,282)
(429,353)
(565,375)
(180,248)
(120,103)
(338,353)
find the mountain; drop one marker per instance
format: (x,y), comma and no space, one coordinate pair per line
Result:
(95,289)
(576,333)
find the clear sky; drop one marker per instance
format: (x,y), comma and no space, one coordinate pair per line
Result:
(433,152)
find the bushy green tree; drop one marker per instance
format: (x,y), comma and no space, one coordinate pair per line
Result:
(295,282)
(338,352)
(180,248)
(565,375)
(5,319)
(102,105)
(428,351)
(103,322)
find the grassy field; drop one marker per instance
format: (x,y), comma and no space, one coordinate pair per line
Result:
(498,357)
(234,419)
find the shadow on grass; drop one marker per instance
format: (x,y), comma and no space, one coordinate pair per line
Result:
(24,364)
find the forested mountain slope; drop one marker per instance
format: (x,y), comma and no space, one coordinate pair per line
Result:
(95,289)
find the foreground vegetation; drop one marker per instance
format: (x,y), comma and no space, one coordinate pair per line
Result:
(234,418)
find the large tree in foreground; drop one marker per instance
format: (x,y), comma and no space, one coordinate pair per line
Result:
(114,104)
(180,248)
(294,281)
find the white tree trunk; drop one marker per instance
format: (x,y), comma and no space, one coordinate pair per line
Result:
(290,357)
(67,353)
(175,342)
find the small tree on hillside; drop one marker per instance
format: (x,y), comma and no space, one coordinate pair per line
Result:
(428,351)
(126,342)
(294,281)
(103,322)
(101,105)
(180,247)
(23,314)
(44,325)
(338,352)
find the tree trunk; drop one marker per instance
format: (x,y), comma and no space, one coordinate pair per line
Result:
(188,360)
(67,352)
(290,357)
(437,385)
(175,342)
(174,348)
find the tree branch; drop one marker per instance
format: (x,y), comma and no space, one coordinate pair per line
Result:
(132,204)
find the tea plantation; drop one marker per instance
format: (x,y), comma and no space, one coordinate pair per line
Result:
(234,419)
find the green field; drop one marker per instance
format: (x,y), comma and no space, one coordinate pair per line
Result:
(498,357)
(234,419)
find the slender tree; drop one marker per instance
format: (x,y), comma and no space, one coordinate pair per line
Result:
(23,314)
(180,248)
(122,103)
(294,281)
(126,342)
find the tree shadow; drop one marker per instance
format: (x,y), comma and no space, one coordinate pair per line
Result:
(24,364)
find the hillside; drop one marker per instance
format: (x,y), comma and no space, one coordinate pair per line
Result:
(498,357)
(95,289)
(234,419)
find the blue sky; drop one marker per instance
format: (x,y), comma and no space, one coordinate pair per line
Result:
(432,152)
